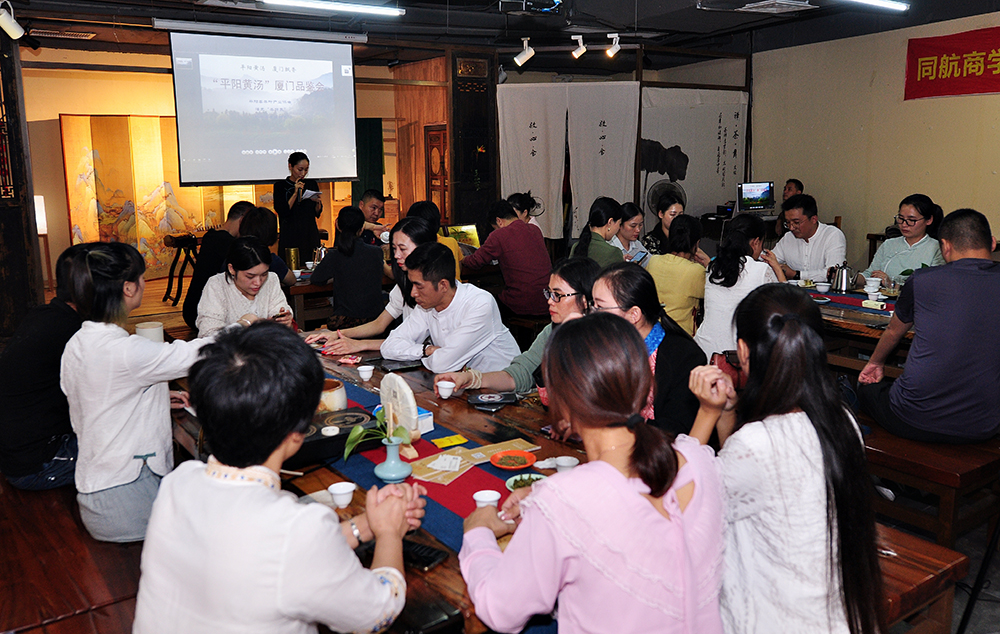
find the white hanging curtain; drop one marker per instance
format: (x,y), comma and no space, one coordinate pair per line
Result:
(533,146)
(603,121)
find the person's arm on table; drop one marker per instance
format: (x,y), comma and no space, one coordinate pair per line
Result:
(472,337)
(405,343)
(874,370)
(489,251)
(351,340)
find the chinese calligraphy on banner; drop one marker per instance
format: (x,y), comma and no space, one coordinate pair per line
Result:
(961,64)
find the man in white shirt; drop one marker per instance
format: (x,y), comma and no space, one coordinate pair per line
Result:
(462,321)
(809,248)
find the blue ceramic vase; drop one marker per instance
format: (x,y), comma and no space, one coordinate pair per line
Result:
(393,470)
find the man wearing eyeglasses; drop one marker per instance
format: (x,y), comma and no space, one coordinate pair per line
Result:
(809,248)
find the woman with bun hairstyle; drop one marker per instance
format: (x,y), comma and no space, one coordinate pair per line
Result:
(629,542)
(604,222)
(524,204)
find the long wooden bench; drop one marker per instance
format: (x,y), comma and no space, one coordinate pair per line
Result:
(966,479)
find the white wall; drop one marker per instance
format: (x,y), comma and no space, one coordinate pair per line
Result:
(832,115)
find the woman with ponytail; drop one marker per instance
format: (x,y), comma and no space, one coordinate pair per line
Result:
(801,542)
(630,292)
(119,403)
(733,273)
(604,222)
(628,542)
(680,277)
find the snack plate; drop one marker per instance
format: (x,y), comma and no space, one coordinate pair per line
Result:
(527,455)
(821,300)
(534,477)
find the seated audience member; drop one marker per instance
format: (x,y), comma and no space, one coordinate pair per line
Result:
(525,205)
(429,211)
(793,187)
(604,222)
(356,271)
(524,260)
(668,207)
(372,205)
(568,296)
(462,321)
(262,224)
(247,287)
(800,543)
(629,542)
(627,238)
(37,444)
(680,279)
(731,276)
(918,220)
(810,248)
(630,292)
(950,388)
(407,235)
(116,386)
(227,550)
(212,257)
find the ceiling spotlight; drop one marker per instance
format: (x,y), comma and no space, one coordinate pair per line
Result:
(885,4)
(526,54)
(7,22)
(580,48)
(615,46)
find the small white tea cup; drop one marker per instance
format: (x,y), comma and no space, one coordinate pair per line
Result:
(365,372)
(486,497)
(343,493)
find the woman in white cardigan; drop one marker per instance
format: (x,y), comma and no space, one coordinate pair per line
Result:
(119,403)
(247,286)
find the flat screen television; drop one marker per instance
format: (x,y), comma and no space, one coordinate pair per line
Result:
(755,196)
(244,104)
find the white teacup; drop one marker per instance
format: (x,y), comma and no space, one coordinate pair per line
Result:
(873,296)
(445,388)
(486,497)
(365,372)
(565,463)
(876,281)
(343,493)
(310,265)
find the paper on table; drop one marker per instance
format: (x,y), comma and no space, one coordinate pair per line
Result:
(445,462)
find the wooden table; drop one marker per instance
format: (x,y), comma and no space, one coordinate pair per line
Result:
(322,310)
(851,332)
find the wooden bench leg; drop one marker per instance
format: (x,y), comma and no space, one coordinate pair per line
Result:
(947,516)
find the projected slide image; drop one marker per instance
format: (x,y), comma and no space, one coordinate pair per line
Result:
(253,85)
(756,195)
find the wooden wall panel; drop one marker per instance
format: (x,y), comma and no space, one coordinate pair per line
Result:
(416,107)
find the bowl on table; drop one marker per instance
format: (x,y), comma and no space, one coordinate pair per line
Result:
(823,287)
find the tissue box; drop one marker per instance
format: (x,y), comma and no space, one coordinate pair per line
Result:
(425,421)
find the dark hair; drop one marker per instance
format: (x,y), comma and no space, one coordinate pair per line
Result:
(633,286)
(797,183)
(296,157)
(805,202)
(260,223)
(372,193)
(428,211)
(729,260)
(966,230)
(419,232)
(523,202)
(97,275)
(239,209)
(580,274)
(685,232)
(593,380)
(603,211)
(252,387)
(434,261)
(630,211)
(246,253)
(64,270)
(928,209)
(350,221)
(783,329)
(668,199)
(500,209)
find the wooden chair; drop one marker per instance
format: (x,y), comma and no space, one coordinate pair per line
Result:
(954,473)
(525,329)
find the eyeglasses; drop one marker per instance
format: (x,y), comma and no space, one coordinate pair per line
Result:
(556,297)
(793,223)
(600,308)
(909,222)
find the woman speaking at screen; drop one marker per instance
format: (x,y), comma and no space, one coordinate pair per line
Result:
(297,202)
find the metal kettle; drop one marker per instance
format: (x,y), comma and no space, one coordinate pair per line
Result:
(841,278)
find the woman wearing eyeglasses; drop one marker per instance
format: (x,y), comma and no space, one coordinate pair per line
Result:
(918,220)
(568,296)
(630,292)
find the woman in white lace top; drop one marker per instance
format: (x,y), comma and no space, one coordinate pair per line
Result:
(800,544)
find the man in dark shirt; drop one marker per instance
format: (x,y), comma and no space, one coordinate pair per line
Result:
(37,446)
(950,389)
(372,205)
(212,257)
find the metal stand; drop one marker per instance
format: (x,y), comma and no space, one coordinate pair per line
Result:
(980,579)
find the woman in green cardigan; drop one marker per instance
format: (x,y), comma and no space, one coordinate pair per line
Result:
(604,222)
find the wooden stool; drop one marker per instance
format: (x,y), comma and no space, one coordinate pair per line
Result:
(951,472)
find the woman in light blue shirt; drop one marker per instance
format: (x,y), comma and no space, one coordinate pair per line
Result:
(918,220)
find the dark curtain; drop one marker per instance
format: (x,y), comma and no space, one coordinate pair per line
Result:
(371,163)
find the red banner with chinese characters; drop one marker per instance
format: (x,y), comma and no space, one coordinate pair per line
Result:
(960,64)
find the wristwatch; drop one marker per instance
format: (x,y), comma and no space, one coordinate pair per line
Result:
(424,353)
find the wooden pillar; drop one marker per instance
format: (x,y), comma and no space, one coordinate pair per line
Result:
(20,263)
